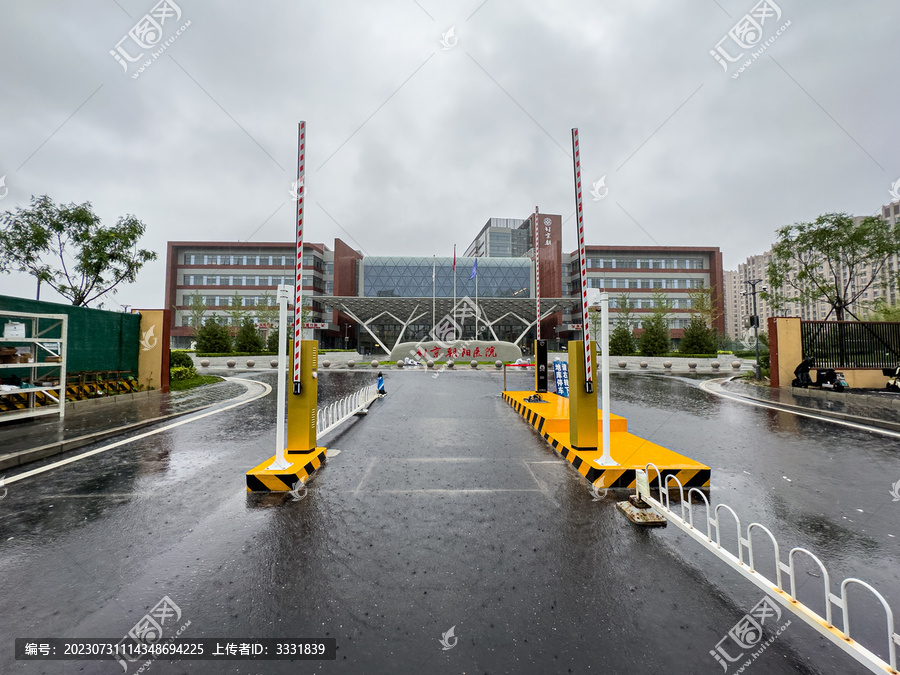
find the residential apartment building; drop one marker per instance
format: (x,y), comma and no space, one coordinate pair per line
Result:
(732,296)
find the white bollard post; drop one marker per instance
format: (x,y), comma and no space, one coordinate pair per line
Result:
(606,459)
(281,462)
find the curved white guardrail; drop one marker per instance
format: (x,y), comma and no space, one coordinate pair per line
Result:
(335,414)
(745,565)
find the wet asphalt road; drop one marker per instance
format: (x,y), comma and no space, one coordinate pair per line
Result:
(444,508)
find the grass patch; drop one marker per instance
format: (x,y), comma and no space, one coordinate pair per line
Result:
(199,381)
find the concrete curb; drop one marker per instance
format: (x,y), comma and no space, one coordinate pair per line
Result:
(59,447)
(844,417)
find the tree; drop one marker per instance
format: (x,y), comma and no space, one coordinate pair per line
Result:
(67,248)
(267,312)
(654,340)
(196,310)
(621,340)
(703,305)
(236,310)
(213,337)
(698,338)
(247,338)
(823,260)
(882,311)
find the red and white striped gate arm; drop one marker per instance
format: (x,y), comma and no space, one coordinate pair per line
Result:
(537,270)
(585,320)
(298,277)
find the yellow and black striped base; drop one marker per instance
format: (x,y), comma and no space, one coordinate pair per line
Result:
(551,420)
(263,479)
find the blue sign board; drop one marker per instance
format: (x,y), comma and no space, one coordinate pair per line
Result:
(561,371)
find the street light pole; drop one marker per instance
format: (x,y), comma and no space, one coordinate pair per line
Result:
(755,321)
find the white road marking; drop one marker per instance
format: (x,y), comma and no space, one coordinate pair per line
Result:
(760,404)
(126,441)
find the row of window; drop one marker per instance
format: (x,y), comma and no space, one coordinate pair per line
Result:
(266,260)
(672,283)
(645,263)
(254,280)
(227,300)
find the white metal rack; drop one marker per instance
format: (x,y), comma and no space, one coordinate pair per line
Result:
(48,336)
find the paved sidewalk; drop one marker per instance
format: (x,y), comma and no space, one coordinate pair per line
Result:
(877,408)
(93,420)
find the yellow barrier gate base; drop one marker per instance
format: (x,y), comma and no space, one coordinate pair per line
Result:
(572,425)
(301,452)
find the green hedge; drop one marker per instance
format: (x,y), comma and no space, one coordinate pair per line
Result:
(205,355)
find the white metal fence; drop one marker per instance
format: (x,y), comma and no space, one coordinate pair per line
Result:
(745,560)
(335,414)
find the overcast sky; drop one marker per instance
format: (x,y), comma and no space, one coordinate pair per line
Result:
(413,143)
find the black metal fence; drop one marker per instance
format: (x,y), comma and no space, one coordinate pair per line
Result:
(851,344)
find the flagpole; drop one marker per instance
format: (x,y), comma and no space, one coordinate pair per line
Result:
(454,292)
(476,300)
(433,263)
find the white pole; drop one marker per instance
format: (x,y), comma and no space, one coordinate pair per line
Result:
(453,311)
(606,459)
(280,460)
(433,268)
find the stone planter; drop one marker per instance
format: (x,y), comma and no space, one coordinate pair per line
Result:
(230,363)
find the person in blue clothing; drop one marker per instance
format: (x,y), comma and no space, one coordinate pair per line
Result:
(381,384)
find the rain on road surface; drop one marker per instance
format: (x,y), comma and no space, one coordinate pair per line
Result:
(444,509)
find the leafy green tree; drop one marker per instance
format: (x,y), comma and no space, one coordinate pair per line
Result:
(236,310)
(67,248)
(196,311)
(213,337)
(621,340)
(882,311)
(698,338)
(822,260)
(247,338)
(654,340)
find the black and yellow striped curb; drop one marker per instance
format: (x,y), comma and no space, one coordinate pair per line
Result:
(262,479)
(630,451)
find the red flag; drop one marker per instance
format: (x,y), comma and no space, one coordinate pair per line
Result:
(454,257)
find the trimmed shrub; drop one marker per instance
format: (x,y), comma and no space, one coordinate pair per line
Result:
(180,360)
(180,373)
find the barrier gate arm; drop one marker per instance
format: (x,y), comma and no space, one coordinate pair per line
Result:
(822,625)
